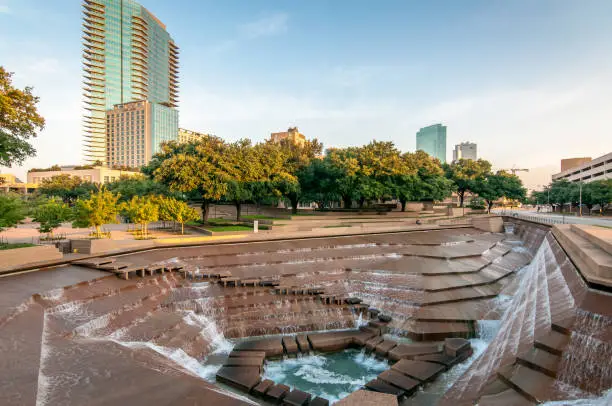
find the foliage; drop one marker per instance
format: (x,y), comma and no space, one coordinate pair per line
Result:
(51,215)
(466,174)
(495,186)
(141,210)
(12,211)
(19,120)
(16,245)
(171,209)
(477,204)
(100,208)
(130,186)
(66,187)
(562,192)
(49,169)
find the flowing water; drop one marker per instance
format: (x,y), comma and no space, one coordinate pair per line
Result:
(331,376)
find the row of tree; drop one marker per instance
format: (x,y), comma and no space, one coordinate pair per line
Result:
(100,207)
(214,170)
(562,193)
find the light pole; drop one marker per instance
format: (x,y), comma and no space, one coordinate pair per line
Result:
(580,199)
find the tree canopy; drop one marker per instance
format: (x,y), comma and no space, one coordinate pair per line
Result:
(466,174)
(12,211)
(51,214)
(499,185)
(66,187)
(99,209)
(19,121)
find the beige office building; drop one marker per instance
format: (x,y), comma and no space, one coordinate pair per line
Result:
(185,136)
(292,134)
(135,131)
(571,163)
(591,170)
(97,174)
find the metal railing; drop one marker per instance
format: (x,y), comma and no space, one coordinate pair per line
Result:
(535,218)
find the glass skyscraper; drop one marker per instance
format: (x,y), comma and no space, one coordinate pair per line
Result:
(128,56)
(432,140)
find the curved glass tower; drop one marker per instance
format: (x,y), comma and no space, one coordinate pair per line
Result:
(128,56)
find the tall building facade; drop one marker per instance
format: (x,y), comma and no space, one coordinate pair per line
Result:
(128,56)
(185,136)
(465,150)
(570,163)
(292,134)
(590,170)
(432,140)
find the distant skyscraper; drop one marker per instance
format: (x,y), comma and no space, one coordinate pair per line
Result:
(432,140)
(128,56)
(465,150)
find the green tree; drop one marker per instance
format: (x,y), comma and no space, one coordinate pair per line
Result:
(141,210)
(12,211)
(179,211)
(130,186)
(100,208)
(562,192)
(243,169)
(422,179)
(598,192)
(51,214)
(317,182)
(498,185)
(198,168)
(466,173)
(66,187)
(19,120)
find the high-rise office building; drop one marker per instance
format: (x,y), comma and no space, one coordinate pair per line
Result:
(185,136)
(432,140)
(465,150)
(128,56)
(292,134)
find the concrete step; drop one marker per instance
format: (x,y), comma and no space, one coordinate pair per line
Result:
(531,384)
(509,397)
(554,342)
(540,360)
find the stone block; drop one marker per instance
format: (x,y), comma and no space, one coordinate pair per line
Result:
(291,346)
(318,401)
(18,257)
(296,398)
(373,342)
(456,346)
(384,318)
(384,347)
(377,385)
(421,370)
(243,378)
(491,224)
(261,388)
(273,346)
(410,351)
(277,392)
(303,343)
(407,384)
(243,362)
(367,398)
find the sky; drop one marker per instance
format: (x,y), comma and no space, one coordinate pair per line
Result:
(528,80)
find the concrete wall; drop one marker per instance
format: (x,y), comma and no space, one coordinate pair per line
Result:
(23,256)
(86,246)
(493,224)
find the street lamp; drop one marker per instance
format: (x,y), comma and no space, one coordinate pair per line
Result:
(580,202)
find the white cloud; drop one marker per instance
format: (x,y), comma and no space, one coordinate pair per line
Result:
(266,26)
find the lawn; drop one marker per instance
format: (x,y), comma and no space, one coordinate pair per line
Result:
(258,217)
(16,245)
(228,228)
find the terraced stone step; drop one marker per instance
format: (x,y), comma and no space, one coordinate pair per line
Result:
(540,360)
(243,378)
(554,342)
(531,384)
(420,370)
(407,384)
(378,385)
(508,397)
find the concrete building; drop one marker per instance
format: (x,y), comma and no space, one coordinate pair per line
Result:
(465,150)
(11,183)
(571,163)
(292,134)
(128,56)
(185,136)
(594,169)
(432,140)
(135,130)
(96,174)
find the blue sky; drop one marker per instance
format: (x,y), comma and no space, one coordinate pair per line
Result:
(529,81)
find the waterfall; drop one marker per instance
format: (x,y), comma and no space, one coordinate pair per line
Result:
(527,316)
(586,363)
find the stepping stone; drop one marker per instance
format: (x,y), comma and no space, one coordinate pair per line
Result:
(296,398)
(369,329)
(533,385)
(403,382)
(373,342)
(303,343)
(383,348)
(384,318)
(243,362)
(410,351)
(443,359)
(456,346)
(541,360)
(273,346)
(248,354)
(261,389)
(243,378)
(291,346)
(331,341)
(377,385)
(361,337)
(319,402)
(554,342)
(421,370)
(353,300)
(277,392)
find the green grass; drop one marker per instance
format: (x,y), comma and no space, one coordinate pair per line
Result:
(16,245)
(228,228)
(257,217)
